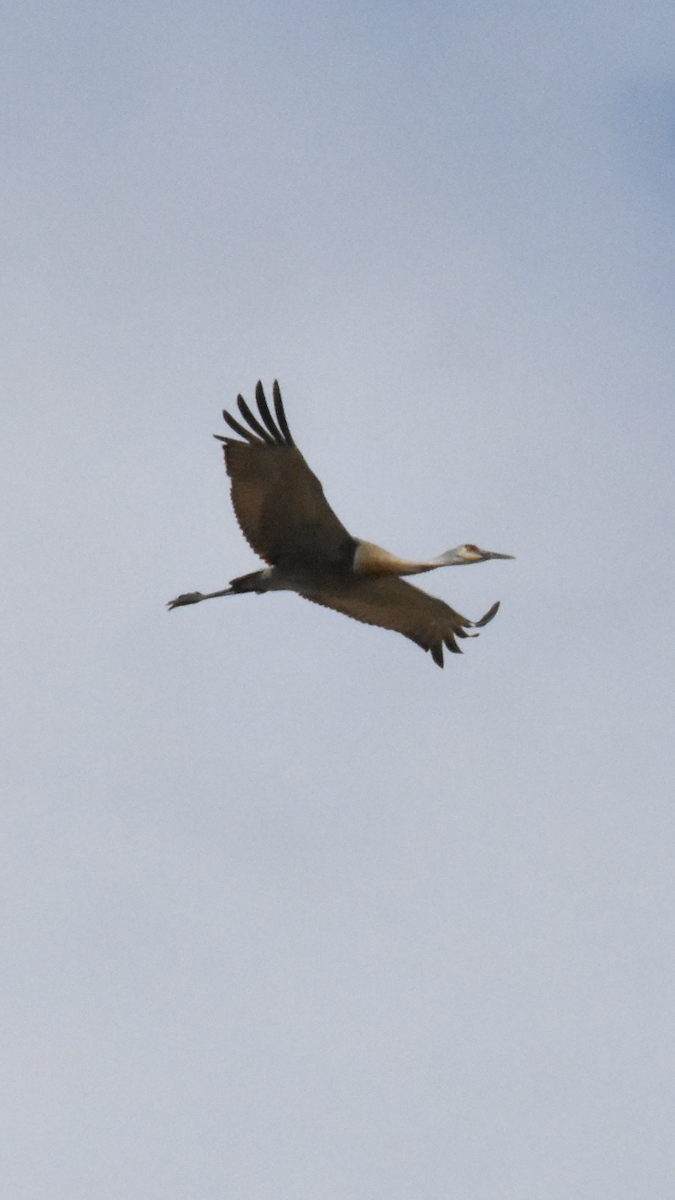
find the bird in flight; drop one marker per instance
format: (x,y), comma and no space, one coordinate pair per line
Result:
(285,517)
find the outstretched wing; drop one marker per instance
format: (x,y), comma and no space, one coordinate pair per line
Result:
(394,604)
(278,502)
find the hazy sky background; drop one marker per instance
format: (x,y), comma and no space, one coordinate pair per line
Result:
(287,912)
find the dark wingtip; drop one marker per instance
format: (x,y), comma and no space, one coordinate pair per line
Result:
(488,616)
(270,434)
(245,433)
(437,653)
(254,422)
(264,410)
(281,415)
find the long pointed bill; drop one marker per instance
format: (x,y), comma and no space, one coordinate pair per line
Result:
(493,554)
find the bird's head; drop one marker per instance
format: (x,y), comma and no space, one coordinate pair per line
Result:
(468,553)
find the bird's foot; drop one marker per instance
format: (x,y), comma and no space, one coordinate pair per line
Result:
(186,598)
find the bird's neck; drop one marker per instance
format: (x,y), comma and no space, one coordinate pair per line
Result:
(373,560)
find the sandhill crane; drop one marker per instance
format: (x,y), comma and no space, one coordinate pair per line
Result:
(285,517)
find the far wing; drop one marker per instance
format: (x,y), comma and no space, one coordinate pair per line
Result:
(392,603)
(278,502)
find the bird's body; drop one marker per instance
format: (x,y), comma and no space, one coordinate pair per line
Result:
(283,513)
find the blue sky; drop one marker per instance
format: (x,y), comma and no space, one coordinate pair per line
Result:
(289,912)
